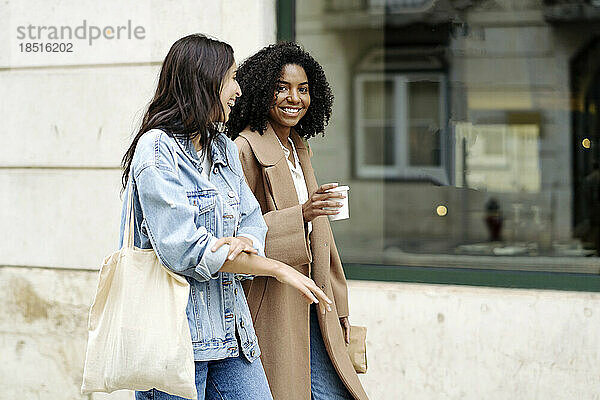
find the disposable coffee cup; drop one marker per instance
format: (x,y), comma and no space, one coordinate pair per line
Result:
(345,209)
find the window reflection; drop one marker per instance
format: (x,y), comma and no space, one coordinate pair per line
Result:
(424,122)
(400,121)
(467,130)
(498,158)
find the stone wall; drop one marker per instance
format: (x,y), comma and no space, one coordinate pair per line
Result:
(424,341)
(67,120)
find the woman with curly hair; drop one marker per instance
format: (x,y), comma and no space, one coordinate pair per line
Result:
(287,100)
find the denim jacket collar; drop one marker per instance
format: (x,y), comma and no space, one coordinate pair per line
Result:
(217,150)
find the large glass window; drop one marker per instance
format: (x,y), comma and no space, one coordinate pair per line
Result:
(466,130)
(400,120)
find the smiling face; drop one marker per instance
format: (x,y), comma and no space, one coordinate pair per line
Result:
(230,90)
(292,97)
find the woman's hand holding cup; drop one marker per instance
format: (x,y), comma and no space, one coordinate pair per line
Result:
(322,202)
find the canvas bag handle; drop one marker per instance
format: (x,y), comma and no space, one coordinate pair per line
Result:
(128,232)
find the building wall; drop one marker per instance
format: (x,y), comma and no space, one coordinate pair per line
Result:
(457,342)
(423,341)
(67,121)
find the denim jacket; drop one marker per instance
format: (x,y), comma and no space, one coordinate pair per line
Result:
(180,214)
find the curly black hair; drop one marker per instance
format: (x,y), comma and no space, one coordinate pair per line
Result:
(258,77)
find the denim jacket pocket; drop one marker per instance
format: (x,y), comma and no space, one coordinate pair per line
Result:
(206,201)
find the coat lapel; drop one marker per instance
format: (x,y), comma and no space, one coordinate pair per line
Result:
(269,154)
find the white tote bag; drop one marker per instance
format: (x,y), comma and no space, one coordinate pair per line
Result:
(139,336)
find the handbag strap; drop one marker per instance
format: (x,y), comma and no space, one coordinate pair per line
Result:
(129,218)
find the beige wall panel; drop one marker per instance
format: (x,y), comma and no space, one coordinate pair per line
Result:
(162,23)
(43,334)
(59,218)
(423,341)
(73,13)
(73,116)
(248,25)
(5,34)
(452,342)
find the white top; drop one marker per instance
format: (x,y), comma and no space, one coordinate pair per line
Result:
(297,175)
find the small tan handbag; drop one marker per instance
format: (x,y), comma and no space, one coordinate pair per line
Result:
(357,349)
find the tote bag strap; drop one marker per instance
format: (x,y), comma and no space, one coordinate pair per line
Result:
(129,218)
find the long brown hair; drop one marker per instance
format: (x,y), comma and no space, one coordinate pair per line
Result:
(187,100)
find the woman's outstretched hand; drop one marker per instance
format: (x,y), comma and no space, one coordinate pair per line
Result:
(309,289)
(247,262)
(321,199)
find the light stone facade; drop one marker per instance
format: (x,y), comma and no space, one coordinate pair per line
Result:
(67,123)
(68,119)
(423,341)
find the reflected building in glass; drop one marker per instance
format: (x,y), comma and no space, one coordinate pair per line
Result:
(466,129)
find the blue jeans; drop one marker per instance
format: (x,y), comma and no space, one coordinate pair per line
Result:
(325,383)
(233,378)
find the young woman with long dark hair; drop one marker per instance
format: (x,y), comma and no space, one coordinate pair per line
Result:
(193,207)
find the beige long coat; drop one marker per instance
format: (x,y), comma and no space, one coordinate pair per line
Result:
(279,312)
